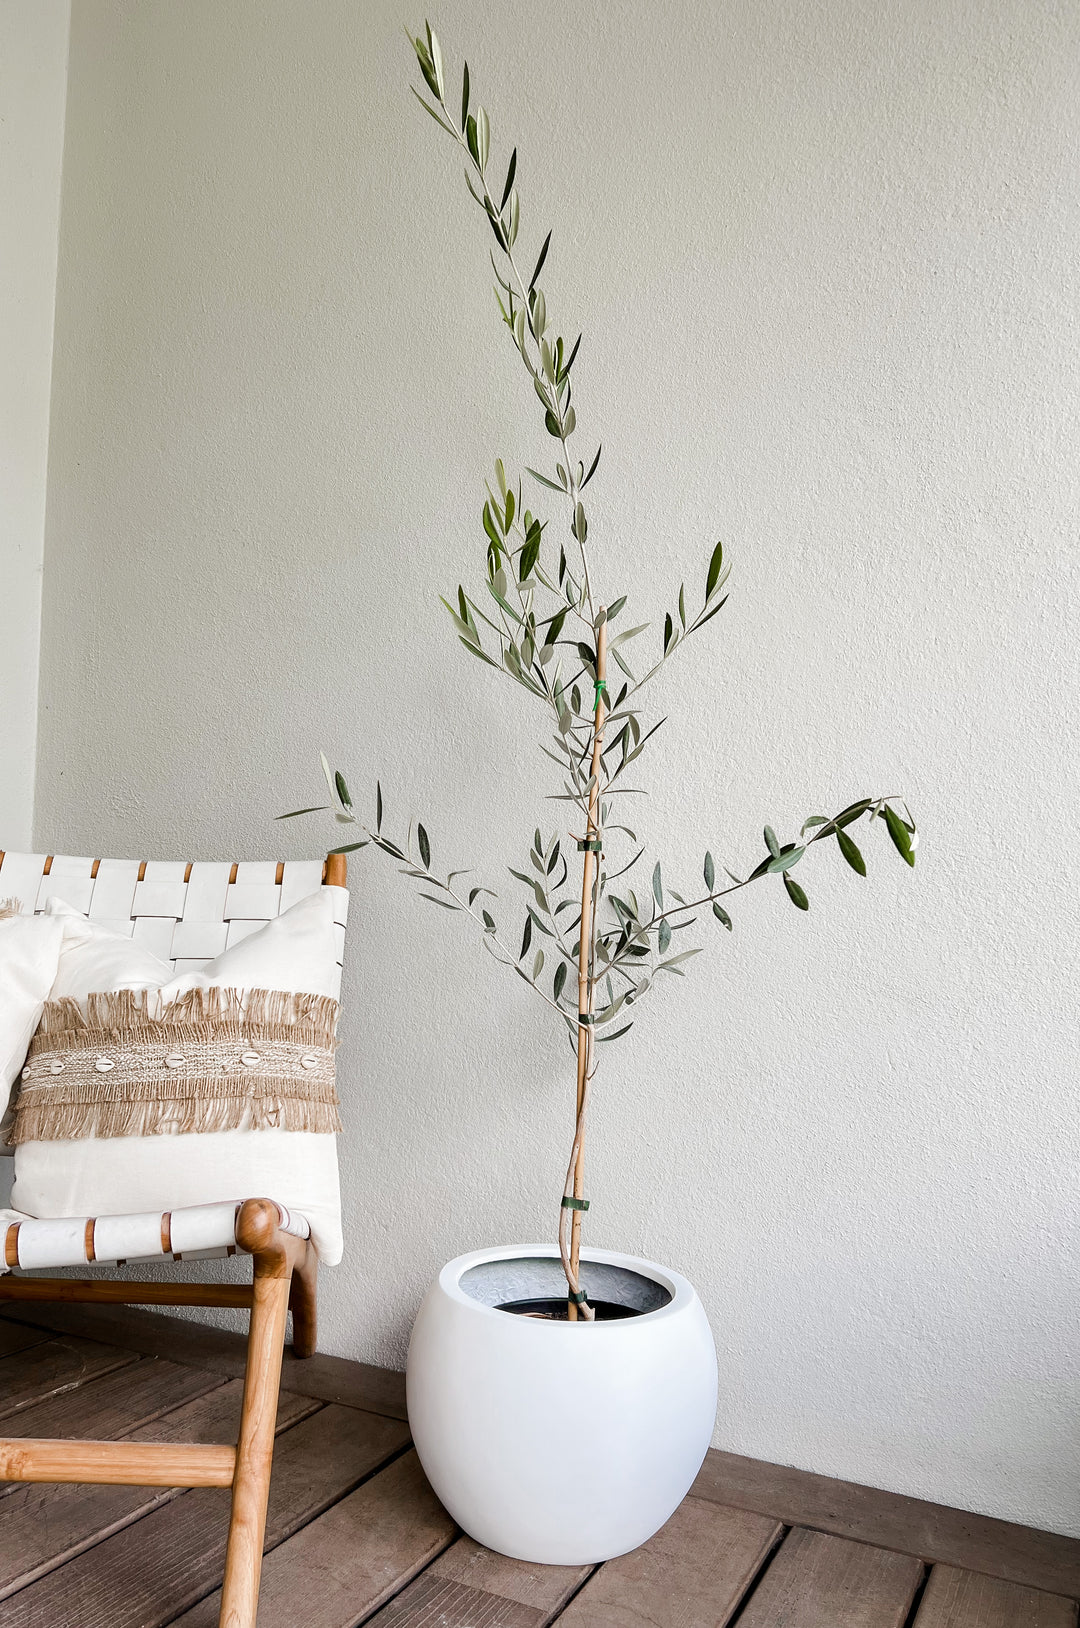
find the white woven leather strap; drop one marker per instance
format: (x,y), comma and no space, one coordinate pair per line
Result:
(199,1232)
(184,913)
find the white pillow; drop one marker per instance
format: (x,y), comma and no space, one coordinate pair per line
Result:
(29,951)
(130,1175)
(93,957)
(96,1175)
(297,951)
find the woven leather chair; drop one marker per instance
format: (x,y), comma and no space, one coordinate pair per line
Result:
(186,914)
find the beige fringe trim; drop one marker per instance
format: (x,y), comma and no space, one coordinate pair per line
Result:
(291,1087)
(177,1108)
(276,1013)
(9,907)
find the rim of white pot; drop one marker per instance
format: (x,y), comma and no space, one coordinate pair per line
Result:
(681,1290)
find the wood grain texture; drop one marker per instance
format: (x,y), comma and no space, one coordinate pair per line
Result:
(330,1379)
(545,1587)
(255,1451)
(692,1574)
(468,1586)
(343,1566)
(431,1601)
(819,1581)
(1020,1554)
(964,1599)
(44,1526)
(145,1574)
(14,1337)
(118,1463)
(53,1366)
(37,1538)
(115,1405)
(116,1291)
(303,1304)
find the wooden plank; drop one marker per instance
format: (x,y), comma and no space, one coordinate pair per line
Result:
(818,1581)
(935,1532)
(43,1526)
(329,1379)
(54,1366)
(1019,1554)
(13,1338)
(115,1405)
(964,1599)
(693,1573)
(146,1573)
(546,1587)
(343,1566)
(431,1601)
(468,1586)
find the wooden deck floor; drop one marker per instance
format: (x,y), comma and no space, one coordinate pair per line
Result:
(355,1533)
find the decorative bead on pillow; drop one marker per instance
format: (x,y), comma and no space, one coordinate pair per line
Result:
(142,1090)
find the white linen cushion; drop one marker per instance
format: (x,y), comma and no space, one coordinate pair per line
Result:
(93,957)
(29,951)
(109,1175)
(93,1175)
(297,951)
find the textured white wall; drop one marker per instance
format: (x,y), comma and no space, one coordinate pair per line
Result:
(825,257)
(33,78)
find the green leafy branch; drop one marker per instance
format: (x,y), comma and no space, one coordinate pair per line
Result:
(526,643)
(635,942)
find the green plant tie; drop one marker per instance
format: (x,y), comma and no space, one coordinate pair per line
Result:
(600,686)
(577,1297)
(591,845)
(575,1203)
(585,1018)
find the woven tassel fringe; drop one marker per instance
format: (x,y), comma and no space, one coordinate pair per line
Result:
(289,1088)
(274,1107)
(271,1014)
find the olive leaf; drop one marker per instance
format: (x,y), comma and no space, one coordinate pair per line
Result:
(900,834)
(795,893)
(850,852)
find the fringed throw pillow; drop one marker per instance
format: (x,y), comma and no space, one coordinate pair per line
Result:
(212,1086)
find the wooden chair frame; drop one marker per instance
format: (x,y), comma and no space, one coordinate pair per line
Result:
(284,1275)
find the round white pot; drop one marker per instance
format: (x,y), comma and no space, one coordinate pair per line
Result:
(560,1443)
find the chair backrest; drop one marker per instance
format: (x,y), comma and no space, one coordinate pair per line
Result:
(185,913)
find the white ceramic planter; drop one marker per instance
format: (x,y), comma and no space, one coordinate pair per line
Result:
(560,1443)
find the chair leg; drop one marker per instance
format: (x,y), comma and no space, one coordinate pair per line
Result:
(302,1304)
(255,1448)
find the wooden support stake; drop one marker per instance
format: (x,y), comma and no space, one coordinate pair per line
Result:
(586,980)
